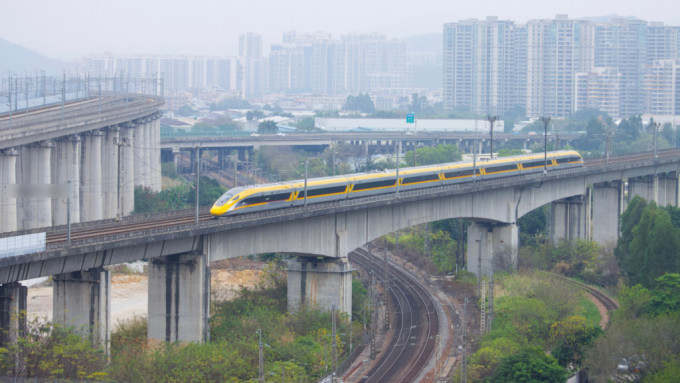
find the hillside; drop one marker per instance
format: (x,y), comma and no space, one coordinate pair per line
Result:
(21,60)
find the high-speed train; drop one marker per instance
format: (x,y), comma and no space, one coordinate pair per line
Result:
(278,195)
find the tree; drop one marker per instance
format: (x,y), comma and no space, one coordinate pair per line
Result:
(571,337)
(530,365)
(362,103)
(418,103)
(185,111)
(666,296)
(267,126)
(429,156)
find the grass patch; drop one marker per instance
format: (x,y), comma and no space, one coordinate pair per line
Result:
(590,311)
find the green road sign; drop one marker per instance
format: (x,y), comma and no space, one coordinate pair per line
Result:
(410,118)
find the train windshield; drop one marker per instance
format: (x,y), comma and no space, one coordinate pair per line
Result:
(225,197)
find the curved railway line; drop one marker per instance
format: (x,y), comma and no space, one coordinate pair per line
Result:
(609,303)
(415,324)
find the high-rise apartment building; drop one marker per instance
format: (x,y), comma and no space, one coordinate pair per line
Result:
(662,88)
(252,71)
(179,73)
(555,67)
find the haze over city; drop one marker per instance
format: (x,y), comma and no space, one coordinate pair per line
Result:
(70,29)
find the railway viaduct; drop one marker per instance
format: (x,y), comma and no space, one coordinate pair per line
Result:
(586,203)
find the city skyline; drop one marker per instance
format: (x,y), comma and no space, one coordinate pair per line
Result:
(73,28)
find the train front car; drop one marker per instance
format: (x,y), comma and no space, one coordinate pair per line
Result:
(226,202)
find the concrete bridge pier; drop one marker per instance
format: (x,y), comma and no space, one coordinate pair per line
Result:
(321,283)
(644,186)
(570,218)
(13,299)
(110,163)
(127,170)
(91,199)
(492,245)
(157,178)
(668,189)
(35,168)
(8,204)
(607,201)
(139,141)
(82,299)
(66,167)
(179,298)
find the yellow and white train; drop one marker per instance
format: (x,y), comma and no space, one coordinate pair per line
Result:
(279,195)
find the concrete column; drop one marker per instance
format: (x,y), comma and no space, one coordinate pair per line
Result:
(492,245)
(82,299)
(91,199)
(569,219)
(66,167)
(110,163)
(148,154)
(34,168)
(13,298)
(645,187)
(179,298)
(8,203)
(323,284)
(157,177)
(127,170)
(607,208)
(138,144)
(668,189)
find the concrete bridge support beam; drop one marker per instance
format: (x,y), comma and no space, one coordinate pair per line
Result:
(156,154)
(127,170)
(66,167)
(570,219)
(492,245)
(35,168)
(324,284)
(13,299)
(82,299)
(668,189)
(179,298)
(8,203)
(110,162)
(139,159)
(645,186)
(607,208)
(91,199)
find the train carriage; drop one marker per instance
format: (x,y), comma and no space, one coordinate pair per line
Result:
(284,194)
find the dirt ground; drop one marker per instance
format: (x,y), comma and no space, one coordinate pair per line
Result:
(129,292)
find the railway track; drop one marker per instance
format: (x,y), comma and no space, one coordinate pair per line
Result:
(609,303)
(415,322)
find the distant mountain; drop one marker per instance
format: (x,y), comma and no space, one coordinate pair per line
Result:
(20,60)
(425,54)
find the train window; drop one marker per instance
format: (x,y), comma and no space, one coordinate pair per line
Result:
(534,164)
(322,191)
(461,173)
(416,179)
(265,198)
(374,184)
(565,160)
(498,169)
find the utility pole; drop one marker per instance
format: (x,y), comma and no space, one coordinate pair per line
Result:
(656,125)
(491,120)
(334,349)
(386,286)
(490,311)
(306,165)
(374,317)
(198,177)
(482,300)
(463,375)
(260,356)
(545,121)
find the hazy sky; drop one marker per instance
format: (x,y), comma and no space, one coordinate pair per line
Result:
(72,28)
